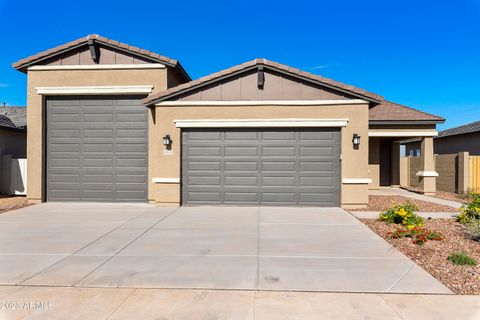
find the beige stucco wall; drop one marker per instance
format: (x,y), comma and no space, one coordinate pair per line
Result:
(427,184)
(404,171)
(354,163)
(65,78)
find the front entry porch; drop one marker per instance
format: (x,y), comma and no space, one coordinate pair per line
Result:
(386,169)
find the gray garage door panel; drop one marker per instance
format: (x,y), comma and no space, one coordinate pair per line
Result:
(261,167)
(97,149)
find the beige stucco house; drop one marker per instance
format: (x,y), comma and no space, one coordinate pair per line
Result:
(112,122)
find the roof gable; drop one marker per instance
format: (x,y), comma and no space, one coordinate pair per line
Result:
(109,52)
(280,82)
(276,86)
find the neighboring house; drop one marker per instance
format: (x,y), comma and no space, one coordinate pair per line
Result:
(113,122)
(13,136)
(465,138)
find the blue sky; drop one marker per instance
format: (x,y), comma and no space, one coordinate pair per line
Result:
(425,54)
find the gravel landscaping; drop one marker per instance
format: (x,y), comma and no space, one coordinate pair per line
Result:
(451,196)
(12,203)
(381,203)
(432,256)
(462,198)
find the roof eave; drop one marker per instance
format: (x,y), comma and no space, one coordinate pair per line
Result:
(149,102)
(456,134)
(23,67)
(368,98)
(18,129)
(395,122)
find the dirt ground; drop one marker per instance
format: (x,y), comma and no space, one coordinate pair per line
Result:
(452,196)
(432,256)
(462,198)
(382,203)
(12,203)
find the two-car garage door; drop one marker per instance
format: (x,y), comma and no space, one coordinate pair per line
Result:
(297,167)
(97,149)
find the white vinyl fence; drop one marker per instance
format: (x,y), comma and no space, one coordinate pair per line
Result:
(18,179)
(14,176)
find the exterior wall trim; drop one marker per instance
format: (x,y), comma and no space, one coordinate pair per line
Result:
(261,103)
(259,123)
(166,180)
(427,174)
(98,67)
(402,133)
(357,181)
(94,90)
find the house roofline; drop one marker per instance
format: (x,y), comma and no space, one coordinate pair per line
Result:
(23,64)
(403,122)
(265,65)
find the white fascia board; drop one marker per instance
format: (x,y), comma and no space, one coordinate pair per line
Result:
(357,181)
(262,103)
(401,134)
(259,123)
(98,67)
(166,180)
(88,90)
(427,174)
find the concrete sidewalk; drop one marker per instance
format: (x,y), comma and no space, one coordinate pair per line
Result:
(116,304)
(388,191)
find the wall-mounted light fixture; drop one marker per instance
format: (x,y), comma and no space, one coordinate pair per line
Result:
(356,139)
(167,141)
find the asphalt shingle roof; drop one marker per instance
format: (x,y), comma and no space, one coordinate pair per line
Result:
(390,111)
(384,110)
(261,62)
(22,65)
(466,128)
(13,117)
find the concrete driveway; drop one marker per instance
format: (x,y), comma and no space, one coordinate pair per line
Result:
(141,246)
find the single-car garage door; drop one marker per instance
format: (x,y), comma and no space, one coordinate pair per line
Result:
(96,149)
(296,167)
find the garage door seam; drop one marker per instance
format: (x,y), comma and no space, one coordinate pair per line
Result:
(258,248)
(127,245)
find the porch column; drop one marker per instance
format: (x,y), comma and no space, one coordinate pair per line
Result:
(427,174)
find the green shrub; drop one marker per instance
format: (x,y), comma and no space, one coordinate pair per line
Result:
(471,210)
(461,259)
(403,214)
(419,235)
(473,228)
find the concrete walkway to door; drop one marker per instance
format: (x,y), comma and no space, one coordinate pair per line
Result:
(251,248)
